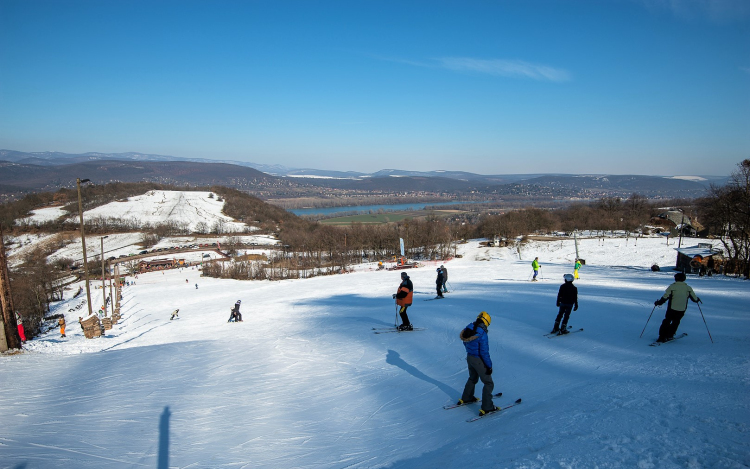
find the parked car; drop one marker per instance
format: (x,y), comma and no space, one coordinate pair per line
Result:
(206,255)
(143,252)
(111,258)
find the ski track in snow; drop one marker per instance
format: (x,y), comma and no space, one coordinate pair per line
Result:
(303,382)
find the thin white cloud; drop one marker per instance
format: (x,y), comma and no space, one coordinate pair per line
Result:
(505,68)
(714,10)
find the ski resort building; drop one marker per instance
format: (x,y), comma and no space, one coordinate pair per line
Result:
(700,259)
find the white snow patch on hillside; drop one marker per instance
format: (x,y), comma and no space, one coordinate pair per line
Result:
(184,208)
(42,215)
(688,178)
(303,381)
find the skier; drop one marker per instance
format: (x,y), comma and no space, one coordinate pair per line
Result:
(445,278)
(535,265)
(403,299)
(174,314)
(61,322)
(576,268)
(474,337)
(439,283)
(677,294)
(19,322)
(236,316)
(567,300)
(196,286)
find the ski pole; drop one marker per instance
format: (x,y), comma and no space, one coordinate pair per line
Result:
(704,322)
(649,318)
(395,320)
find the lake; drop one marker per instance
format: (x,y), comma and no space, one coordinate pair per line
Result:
(367,208)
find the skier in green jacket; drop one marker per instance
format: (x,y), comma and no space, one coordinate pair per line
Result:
(677,294)
(535,265)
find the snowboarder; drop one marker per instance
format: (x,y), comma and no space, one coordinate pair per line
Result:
(174,314)
(439,283)
(567,300)
(677,294)
(404,299)
(474,337)
(19,322)
(535,265)
(576,268)
(61,322)
(235,315)
(445,278)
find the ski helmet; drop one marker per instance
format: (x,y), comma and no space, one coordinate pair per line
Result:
(239,301)
(568,277)
(485,318)
(404,275)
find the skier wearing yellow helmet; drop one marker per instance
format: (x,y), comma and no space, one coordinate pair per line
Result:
(474,337)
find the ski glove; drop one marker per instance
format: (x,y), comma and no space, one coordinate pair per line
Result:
(394,296)
(558,304)
(575,308)
(489,371)
(659,302)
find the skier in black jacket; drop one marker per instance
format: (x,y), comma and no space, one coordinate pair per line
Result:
(439,283)
(567,299)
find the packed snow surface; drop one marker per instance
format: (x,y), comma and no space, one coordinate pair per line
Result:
(182,207)
(304,382)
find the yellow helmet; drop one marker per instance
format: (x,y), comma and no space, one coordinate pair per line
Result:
(485,318)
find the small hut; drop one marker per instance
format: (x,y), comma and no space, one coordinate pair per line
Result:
(700,259)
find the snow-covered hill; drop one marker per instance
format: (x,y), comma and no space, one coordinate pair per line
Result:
(304,383)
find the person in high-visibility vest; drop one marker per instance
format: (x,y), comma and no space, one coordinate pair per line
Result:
(576,268)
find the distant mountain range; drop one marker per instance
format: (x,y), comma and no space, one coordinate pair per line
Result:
(48,171)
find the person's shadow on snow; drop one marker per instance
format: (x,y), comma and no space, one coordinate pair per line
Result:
(393,358)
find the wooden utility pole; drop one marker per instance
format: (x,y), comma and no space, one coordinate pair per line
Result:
(9,334)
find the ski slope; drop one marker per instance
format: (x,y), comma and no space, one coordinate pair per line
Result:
(304,383)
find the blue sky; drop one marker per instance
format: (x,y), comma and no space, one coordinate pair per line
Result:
(493,87)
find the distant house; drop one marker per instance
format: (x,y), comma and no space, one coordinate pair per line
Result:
(699,258)
(677,222)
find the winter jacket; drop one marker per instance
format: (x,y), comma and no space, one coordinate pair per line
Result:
(405,293)
(439,279)
(567,295)
(678,294)
(535,265)
(477,344)
(578,265)
(445,274)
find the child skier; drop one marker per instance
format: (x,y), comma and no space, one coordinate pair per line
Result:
(474,337)
(567,300)
(677,294)
(403,298)
(576,268)
(535,265)
(61,322)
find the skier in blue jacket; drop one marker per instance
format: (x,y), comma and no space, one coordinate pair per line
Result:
(474,337)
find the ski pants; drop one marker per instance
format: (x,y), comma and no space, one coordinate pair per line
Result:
(670,323)
(439,289)
(536,272)
(21,333)
(404,317)
(478,371)
(564,314)
(575,273)
(445,288)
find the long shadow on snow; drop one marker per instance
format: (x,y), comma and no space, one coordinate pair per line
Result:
(393,358)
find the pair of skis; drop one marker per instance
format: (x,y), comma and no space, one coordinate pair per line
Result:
(656,344)
(474,419)
(387,330)
(557,334)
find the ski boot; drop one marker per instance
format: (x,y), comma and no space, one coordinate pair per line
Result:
(405,327)
(483,412)
(468,401)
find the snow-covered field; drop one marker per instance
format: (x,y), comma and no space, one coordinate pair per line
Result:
(304,383)
(189,208)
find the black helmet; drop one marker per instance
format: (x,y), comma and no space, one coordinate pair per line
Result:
(404,275)
(680,277)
